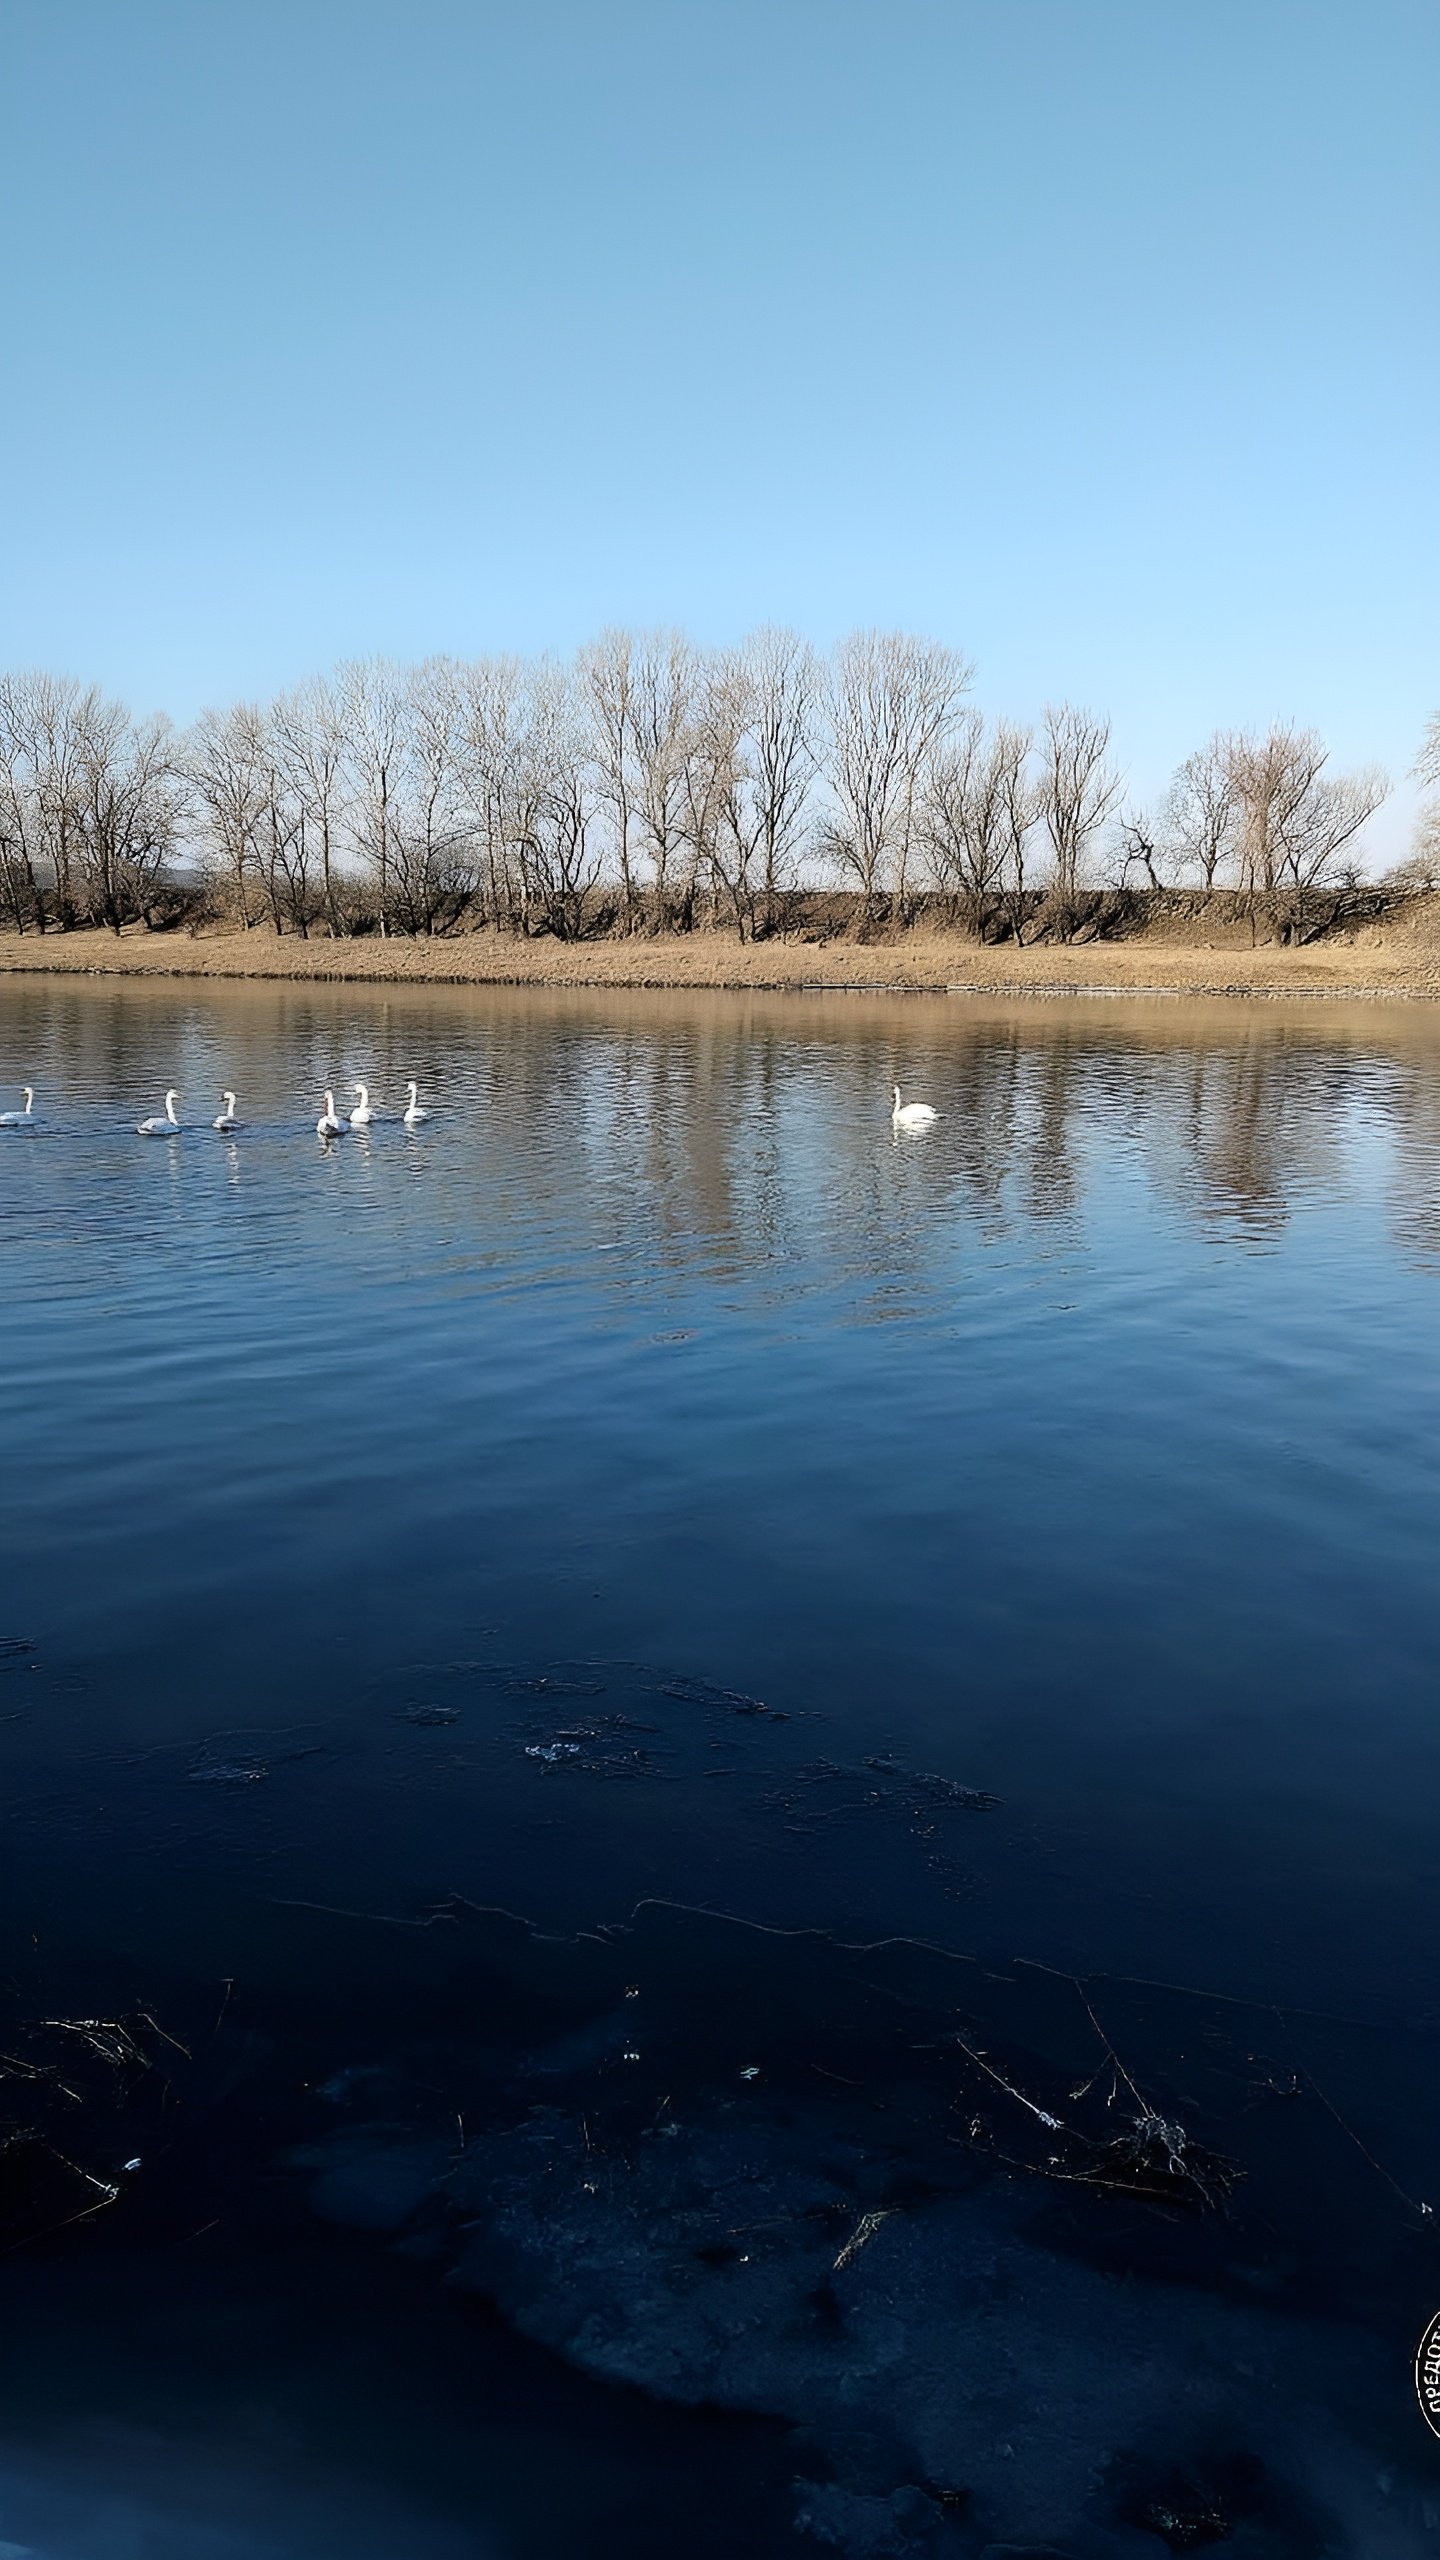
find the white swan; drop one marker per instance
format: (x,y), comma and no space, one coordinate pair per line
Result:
(227,1119)
(413,1114)
(362,1115)
(161,1126)
(25,1119)
(911,1115)
(329,1124)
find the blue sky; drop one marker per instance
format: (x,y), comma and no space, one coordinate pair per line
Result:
(1097,336)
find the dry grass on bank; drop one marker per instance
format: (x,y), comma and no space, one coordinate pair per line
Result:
(1398,958)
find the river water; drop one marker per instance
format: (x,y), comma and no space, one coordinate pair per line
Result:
(652,1486)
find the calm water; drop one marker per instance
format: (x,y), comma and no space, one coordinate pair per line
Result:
(1084,1452)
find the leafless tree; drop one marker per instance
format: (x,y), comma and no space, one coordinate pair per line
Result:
(1139,842)
(1202,813)
(718,823)
(431,825)
(493,744)
(607,676)
(307,744)
(21,821)
(783,687)
(1426,771)
(665,683)
(227,759)
(1077,792)
(556,800)
(892,699)
(976,811)
(373,691)
(1294,820)
(45,722)
(283,860)
(130,809)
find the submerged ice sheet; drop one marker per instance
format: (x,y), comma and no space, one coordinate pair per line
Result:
(975,2345)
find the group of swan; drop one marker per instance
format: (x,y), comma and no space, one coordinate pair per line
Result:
(168,1123)
(330,1124)
(165,1124)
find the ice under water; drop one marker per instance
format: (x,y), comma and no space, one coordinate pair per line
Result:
(750,1809)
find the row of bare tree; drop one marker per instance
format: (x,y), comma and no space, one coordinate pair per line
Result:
(645,785)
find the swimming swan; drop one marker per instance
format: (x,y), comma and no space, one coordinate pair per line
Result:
(412,1114)
(160,1126)
(21,1119)
(362,1115)
(329,1124)
(911,1115)
(227,1119)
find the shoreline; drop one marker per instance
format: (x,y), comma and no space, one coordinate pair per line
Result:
(1372,968)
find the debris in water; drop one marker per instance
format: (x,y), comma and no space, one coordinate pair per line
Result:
(1152,2159)
(228,1773)
(931,1789)
(1188,2512)
(432,1713)
(704,1693)
(546,1684)
(601,1747)
(864,2232)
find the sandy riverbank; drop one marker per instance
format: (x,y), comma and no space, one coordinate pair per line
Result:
(1401,960)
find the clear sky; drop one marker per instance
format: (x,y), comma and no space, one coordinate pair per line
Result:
(1097,336)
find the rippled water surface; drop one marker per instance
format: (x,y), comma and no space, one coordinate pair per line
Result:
(649,1477)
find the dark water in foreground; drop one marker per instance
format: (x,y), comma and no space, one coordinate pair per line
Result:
(426,1521)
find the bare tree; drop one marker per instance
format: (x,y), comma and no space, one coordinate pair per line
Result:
(1202,813)
(44,724)
(782,685)
(665,682)
(130,808)
(227,758)
(493,747)
(1426,771)
(432,827)
(373,691)
(976,811)
(607,676)
(307,743)
(1077,792)
(557,801)
(1139,841)
(718,821)
(1294,820)
(21,822)
(892,699)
